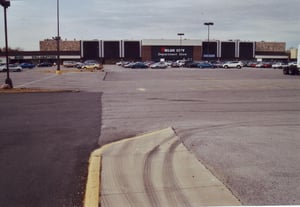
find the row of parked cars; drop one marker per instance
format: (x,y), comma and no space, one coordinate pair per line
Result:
(204,64)
(275,65)
(87,65)
(16,67)
(180,63)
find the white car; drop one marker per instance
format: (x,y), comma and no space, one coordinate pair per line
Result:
(12,67)
(233,64)
(292,64)
(159,65)
(279,65)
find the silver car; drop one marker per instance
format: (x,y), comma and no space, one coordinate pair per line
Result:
(233,64)
(159,65)
(11,67)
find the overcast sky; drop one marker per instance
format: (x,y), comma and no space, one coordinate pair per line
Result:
(30,21)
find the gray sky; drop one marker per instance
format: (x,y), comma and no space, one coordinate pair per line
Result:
(30,21)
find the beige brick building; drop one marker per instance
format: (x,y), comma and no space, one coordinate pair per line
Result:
(270,46)
(65,45)
(293,53)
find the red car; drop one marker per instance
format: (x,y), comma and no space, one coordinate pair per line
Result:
(264,65)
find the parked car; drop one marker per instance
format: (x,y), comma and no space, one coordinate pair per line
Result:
(69,64)
(233,64)
(11,67)
(190,64)
(175,65)
(252,64)
(159,65)
(122,63)
(129,65)
(263,65)
(139,65)
(92,66)
(292,64)
(45,64)
(79,65)
(279,65)
(27,65)
(90,61)
(148,63)
(217,64)
(205,65)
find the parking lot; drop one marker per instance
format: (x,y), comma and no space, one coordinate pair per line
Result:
(242,124)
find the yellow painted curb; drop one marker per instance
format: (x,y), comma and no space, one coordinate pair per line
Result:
(58,72)
(34,90)
(93,185)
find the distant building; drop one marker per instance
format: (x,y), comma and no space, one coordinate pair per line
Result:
(270,51)
(111,51)
(293,53)
(65,45)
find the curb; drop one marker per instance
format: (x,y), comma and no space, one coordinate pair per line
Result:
(35,90)
(92,192)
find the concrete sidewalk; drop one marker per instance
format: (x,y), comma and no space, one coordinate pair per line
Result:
(154,169)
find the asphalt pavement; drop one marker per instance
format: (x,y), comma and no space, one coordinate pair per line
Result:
(243,125)
(46,140)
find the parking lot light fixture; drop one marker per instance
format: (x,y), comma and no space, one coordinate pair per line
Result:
(180,38)
(58,40)
(6,4)
(208,24)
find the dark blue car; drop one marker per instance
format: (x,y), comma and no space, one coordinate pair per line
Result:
(205,65)
(27,65)
(139,65)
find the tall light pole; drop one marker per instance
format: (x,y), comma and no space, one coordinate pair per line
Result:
(208,24)
(180,38)
(58,40)
(6,4)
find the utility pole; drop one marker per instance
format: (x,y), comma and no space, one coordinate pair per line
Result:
(6,4)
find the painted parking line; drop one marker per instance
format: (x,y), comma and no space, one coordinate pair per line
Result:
(36,81)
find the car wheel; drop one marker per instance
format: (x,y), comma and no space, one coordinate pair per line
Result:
(286,71)
(239,67)
(226,66)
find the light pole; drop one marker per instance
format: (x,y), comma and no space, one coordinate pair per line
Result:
(208,24)
(58,40)
(6,4)
(180,38)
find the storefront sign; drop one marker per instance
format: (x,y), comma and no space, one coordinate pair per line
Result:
(172,52)
(209,55)
(44,57)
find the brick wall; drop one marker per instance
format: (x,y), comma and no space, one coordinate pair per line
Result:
(146,53)
(65,45)
(270,46)
(197,54)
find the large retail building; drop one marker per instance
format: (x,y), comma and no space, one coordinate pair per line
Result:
(111,51)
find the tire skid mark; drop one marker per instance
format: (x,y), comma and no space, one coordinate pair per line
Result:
(120,179)
(173,194)
(148,183)
(149,187)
